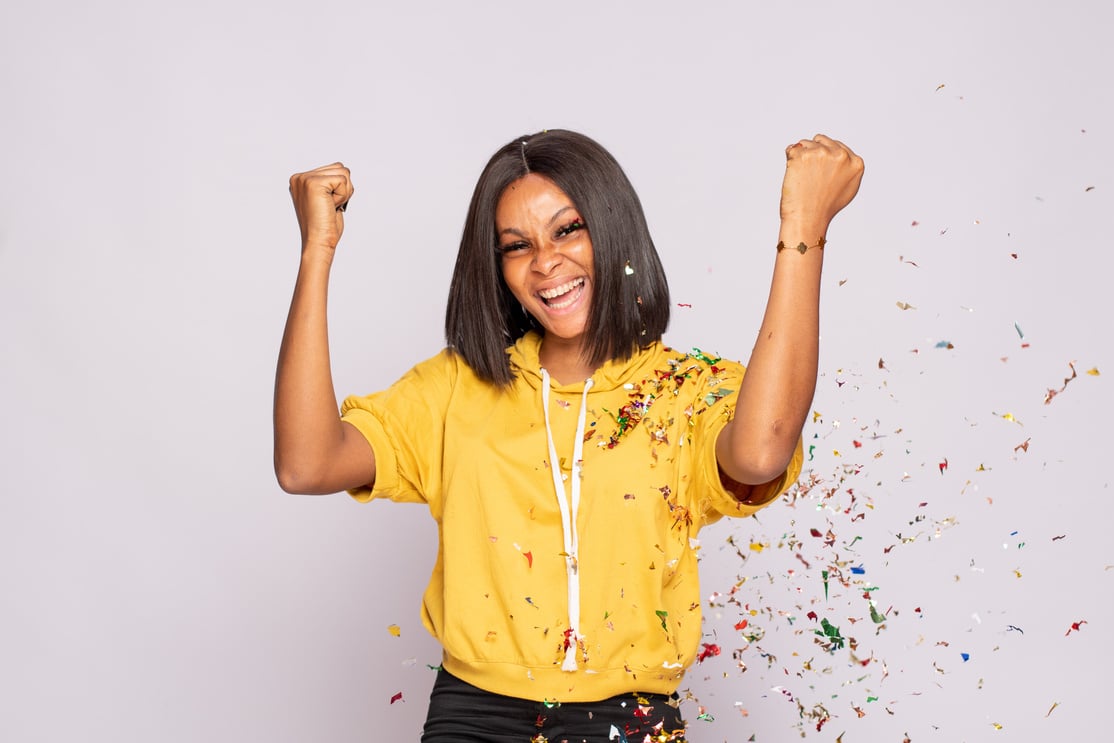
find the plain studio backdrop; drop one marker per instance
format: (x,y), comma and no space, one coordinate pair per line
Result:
(945,573)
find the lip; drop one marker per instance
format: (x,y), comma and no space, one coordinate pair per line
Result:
(568,301)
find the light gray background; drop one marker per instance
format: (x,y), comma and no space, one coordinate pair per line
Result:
(157,585)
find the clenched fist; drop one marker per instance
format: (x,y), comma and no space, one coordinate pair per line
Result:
(821,177)
(320,197)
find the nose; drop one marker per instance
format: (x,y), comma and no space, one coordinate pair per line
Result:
(546,258)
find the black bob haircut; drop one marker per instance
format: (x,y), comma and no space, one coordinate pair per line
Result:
(630,295)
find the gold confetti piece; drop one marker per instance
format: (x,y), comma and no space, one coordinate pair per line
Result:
(1093,371)
(938,87)
(1054,706)
(757,546)
(1009,417)
(395,630)
(905,306)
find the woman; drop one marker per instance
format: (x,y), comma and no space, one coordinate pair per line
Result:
(568,458)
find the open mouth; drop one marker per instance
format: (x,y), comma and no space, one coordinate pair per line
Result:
(562,296)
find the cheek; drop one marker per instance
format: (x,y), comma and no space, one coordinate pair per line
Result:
(511,278)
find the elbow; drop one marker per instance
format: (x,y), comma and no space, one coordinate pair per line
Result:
(769,466)
(756,462)
(295,480)
(757,469)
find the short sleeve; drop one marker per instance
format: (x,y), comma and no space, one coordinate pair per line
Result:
(713,408)
(405,426)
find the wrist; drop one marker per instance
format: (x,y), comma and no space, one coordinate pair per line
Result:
(317,257)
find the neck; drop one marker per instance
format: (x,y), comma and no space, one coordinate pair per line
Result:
(564,361)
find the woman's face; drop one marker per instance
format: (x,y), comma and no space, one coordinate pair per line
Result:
(546,254)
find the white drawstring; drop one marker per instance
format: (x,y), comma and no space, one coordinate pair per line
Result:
(568,515)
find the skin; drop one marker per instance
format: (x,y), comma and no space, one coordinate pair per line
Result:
(545,245)
(821,177)
(316,453)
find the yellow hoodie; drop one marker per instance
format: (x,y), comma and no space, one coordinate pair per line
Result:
(569,583)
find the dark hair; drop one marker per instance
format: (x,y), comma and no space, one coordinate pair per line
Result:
(630,296)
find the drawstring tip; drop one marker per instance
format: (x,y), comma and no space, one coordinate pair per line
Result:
(570,659)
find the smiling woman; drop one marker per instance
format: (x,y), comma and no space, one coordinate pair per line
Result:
(554,414)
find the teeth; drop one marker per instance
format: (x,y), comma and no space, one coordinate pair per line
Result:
(562,289)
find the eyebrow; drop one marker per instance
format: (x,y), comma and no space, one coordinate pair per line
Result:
(552,220)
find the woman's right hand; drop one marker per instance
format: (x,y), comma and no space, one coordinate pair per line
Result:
(320,198)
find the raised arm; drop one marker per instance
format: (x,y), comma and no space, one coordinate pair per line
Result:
(821,177)
(315,452)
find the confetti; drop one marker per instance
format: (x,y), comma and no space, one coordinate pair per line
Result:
(1075,627)
(709,650)
(396,698)
(395,630)
(1052,393)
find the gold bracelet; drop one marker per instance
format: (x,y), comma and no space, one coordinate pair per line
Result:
(801,247)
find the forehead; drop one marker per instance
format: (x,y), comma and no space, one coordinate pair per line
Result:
(530,198)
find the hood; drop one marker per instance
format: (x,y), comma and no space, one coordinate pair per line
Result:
(526,365)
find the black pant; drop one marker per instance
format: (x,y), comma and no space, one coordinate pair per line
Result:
(461,713)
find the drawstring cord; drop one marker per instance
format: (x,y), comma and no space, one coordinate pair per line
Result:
(568,514)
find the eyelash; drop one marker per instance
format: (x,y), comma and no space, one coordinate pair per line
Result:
(565,231)
(571,227)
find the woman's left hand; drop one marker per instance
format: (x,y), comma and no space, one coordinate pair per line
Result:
(822,176)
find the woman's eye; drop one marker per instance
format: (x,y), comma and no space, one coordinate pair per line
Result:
(511,248)
(570,228)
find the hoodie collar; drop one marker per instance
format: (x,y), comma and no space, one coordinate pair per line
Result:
(526,366)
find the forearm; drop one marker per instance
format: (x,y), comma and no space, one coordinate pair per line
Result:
(776,392)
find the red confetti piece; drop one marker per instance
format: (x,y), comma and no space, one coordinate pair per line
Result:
(710,649)
(943,465)
(396,698)
(529,558)
(1076,627)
